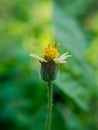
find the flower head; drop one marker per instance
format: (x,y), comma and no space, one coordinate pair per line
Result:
(51,54)
(49,62)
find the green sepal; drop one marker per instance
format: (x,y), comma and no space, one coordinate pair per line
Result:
(49,71)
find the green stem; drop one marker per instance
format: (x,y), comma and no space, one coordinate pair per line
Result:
(49,114)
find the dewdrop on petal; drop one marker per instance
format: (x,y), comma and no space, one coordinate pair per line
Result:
(50,62)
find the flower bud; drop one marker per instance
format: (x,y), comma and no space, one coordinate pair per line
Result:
(49,71)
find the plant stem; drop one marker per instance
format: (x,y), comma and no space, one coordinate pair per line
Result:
(49,114)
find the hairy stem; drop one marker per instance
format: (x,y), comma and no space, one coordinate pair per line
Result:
(49,114)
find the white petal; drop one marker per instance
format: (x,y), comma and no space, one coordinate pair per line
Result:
(62,58)
(64,54)
(38,58)
(63,62)
(56,60)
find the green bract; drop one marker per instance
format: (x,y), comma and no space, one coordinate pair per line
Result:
(49,71)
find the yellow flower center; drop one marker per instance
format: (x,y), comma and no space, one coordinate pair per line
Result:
(50,52)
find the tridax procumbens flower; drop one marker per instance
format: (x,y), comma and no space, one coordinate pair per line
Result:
(50,61)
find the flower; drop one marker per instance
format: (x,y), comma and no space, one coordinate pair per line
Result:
(50,61)
(51,54)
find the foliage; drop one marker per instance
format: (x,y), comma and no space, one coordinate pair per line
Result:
(26,27)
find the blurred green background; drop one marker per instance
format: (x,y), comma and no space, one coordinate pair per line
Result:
(27,26)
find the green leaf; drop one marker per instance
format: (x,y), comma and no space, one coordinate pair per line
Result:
(75,7)
(73,89)
(82,82)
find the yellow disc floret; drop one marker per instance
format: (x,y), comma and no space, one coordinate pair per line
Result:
(51,52)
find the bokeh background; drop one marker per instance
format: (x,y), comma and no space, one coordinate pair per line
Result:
(27,26)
